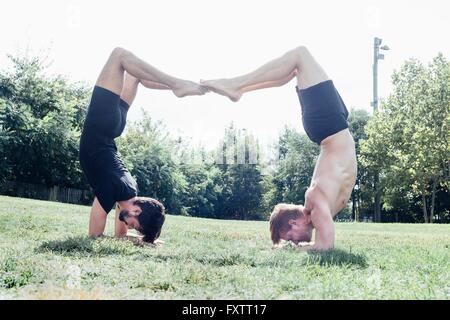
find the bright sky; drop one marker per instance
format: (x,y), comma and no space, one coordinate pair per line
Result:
(207,39)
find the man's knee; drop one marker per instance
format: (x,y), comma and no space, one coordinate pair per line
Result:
(119,53)
(302,50)
(298,54)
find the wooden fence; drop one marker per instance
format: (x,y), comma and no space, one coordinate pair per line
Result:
(40,192)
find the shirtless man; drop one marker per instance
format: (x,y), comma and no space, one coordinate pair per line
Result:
(112,183)
(324,117)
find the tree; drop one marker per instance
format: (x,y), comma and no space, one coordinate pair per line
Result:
(204,189)
(293,173)
(408,140)
(146,149)
(238,157)
(40,121)
(357,121)
(6,139)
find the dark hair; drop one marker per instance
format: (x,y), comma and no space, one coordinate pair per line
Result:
(151,218)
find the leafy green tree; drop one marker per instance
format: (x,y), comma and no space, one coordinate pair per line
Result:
(204,190)
(293,173)
(357,121)
(408,139)
(238,157)
(6,139)
(40,123)
(146,149)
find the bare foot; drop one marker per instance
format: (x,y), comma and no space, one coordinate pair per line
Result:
(188,88)
(224,87)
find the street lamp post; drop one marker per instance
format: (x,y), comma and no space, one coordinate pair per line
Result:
(377,56)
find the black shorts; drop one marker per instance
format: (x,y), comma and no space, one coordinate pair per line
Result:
(323,111)
(107,112)
(105,171)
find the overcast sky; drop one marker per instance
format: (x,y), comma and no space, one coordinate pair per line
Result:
(206,39)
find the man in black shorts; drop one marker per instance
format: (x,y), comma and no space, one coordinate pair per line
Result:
(113,94)
(324,117)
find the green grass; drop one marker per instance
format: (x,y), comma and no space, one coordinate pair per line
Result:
(45,254)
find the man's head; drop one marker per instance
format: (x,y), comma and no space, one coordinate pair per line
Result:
(146,215)
(289,222)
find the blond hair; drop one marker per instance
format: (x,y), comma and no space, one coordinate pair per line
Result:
(279,219)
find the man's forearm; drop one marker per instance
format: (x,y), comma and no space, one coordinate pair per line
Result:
(97,220)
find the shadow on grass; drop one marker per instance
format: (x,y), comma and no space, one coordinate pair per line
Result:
(337,257)
(226,260)
(216,260)
(85,246)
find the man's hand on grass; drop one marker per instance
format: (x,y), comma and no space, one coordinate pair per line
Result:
(138,240)
(283,244)
(301,246)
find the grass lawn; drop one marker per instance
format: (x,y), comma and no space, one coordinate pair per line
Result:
(45,254)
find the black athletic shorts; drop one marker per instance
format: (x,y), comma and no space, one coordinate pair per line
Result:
(101,164)
(323,111)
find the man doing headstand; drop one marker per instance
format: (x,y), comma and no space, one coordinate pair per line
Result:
(324,117)
(113,94)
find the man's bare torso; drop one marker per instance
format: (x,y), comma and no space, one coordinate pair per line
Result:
(335,170)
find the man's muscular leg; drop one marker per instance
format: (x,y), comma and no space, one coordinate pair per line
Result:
(297,62)
(129,89)
(121,60)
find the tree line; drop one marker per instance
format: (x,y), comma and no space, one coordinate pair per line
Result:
(403,151)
